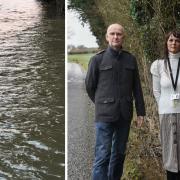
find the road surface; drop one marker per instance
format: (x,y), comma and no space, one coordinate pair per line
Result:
(80,126)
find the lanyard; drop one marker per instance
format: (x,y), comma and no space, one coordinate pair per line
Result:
(177,74)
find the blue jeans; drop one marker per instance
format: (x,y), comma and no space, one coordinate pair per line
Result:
(111,139)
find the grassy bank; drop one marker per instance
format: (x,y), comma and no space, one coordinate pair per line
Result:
(82,59)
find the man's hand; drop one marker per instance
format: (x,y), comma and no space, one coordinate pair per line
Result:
(140,120)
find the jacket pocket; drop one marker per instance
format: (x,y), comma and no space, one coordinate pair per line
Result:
(105,67)
(105,107)
(106,74)
(106,100)
(127,108)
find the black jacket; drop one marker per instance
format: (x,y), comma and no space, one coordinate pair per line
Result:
(111,82)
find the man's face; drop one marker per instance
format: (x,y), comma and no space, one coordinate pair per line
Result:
(115,36)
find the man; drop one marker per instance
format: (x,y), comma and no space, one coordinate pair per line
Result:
(112,81)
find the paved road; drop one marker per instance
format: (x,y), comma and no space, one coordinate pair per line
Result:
(80,126)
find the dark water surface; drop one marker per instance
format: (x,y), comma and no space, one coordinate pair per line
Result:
(31,91)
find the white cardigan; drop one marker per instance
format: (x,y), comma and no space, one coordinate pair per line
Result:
(162,85)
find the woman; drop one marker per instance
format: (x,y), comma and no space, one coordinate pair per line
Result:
(166,89)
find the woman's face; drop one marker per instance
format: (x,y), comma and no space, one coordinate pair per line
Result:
(173,44)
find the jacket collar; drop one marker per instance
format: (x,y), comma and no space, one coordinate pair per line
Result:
(113,51)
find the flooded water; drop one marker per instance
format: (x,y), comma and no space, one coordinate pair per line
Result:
(31,91)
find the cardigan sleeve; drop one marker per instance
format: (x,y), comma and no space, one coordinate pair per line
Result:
(155,68)
(155,71)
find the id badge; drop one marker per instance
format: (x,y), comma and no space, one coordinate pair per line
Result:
(175,96)
(175,99)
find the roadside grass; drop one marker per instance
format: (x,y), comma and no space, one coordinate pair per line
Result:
(82,59)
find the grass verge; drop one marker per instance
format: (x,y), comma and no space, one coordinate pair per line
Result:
(82,59)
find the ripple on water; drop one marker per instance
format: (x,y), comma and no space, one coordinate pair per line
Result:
(38,145)
(31,92)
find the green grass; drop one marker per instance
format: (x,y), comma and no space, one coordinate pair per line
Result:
(82,59)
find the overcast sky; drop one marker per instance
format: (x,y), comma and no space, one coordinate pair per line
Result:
(78,34)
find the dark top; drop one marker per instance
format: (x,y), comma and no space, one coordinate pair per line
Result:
(112,82)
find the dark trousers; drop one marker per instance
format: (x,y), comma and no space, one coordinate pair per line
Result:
(111,139)
(173,175)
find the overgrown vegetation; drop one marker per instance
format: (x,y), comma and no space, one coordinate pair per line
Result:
(146,22)
(59,5)
(89,12)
